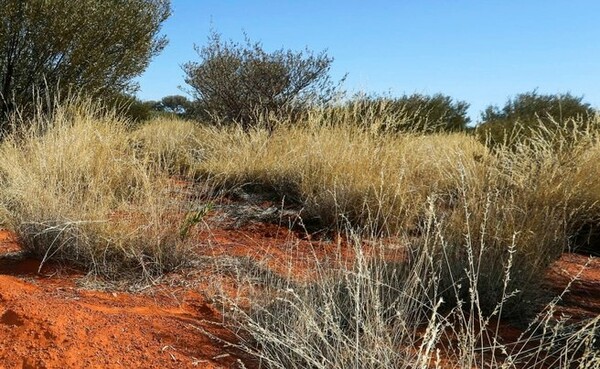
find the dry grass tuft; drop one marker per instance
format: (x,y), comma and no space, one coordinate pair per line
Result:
(534,195)
(73,188)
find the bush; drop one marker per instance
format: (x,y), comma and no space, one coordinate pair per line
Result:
(408,113)
(131,108)
(243,83)
(91,46)
(530,113)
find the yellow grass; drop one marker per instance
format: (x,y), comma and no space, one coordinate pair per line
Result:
(74,188)
(480,226)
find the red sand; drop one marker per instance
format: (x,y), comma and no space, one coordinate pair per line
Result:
(47,321)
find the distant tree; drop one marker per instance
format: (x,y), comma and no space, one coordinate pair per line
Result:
(132,108)
(243,83)
(174,104)
(436,112)
(91,46)
(532,107)
(416,112)
(528,112)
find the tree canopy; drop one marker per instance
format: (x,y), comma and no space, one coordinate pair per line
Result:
(531,112)
(174,104)
(94,46)
(532,107)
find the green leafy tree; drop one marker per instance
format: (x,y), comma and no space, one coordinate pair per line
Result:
(531,112)
(416,112)
(241,82)
(436,112)
(532,107)
(174,104)
(91,46)
(132,108)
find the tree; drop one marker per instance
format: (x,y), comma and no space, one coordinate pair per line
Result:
(532,107)
(132,108)
(434,112)
(416,112)
(174,104)
(243,83)
(91,46)
(531,112)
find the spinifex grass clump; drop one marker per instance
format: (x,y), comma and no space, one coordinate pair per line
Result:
(73,189)
(169,145)
(341,174)
(531,197)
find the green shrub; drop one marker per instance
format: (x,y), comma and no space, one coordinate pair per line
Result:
(408,113)
(530,114)
(243,83)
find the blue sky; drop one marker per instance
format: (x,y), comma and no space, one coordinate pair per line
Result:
(480,51)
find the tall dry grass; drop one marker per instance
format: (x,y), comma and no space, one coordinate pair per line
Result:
(477,227)
(74,187)
(534,195)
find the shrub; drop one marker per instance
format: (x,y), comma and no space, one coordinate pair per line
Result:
(94,46)
(243,83)
(409,113)
(131,108)
(530,113)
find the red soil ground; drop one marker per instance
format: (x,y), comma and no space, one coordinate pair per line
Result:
(49,320)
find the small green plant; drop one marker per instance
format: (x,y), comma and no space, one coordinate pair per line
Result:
(194,217)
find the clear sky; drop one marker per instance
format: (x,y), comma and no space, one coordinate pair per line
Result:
(480,51)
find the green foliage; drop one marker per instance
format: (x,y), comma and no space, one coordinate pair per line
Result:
(131,108)
(176,105)
(532,106)
(193,218)
(415,113)
(243,83)
(91,46)
(531,113)
(438,111)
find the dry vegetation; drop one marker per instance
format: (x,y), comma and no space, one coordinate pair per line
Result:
(477,227)
(75,188)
